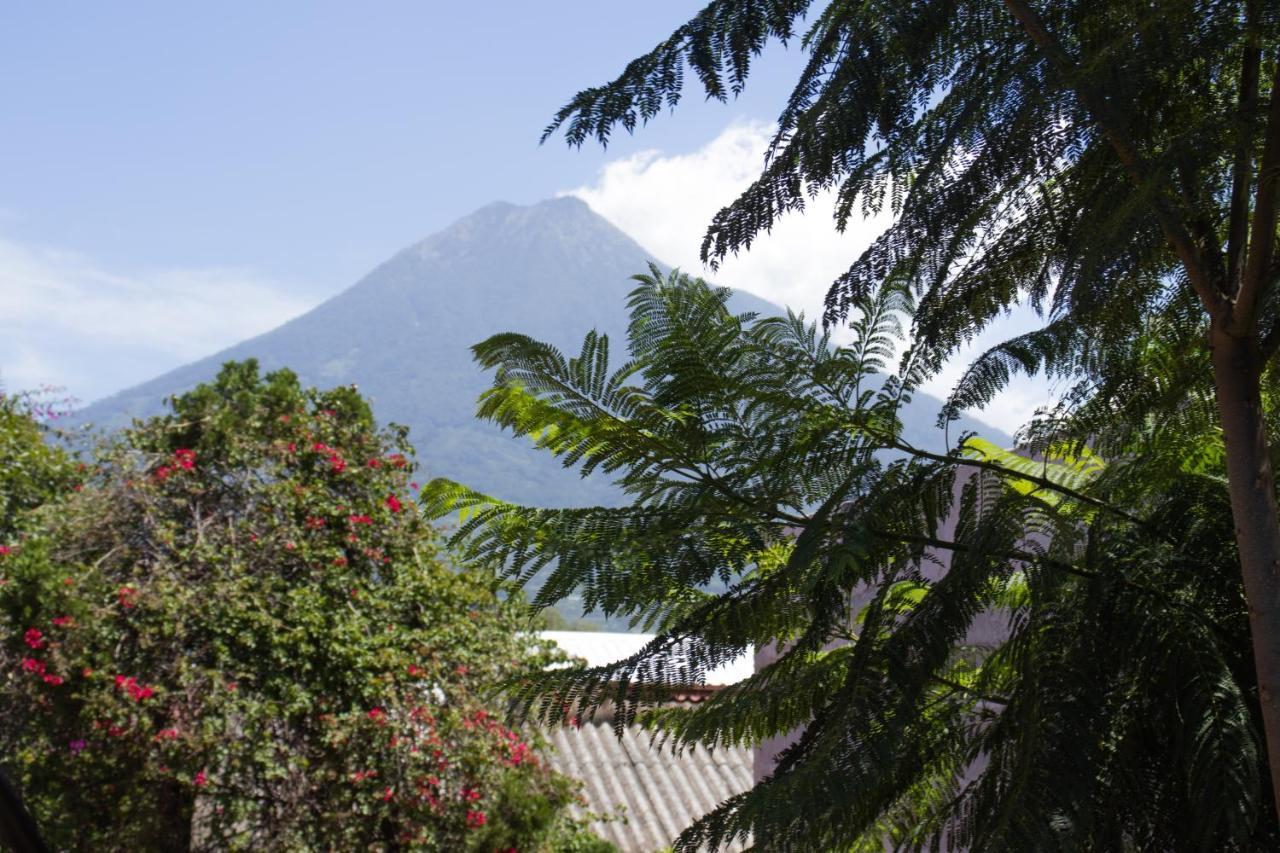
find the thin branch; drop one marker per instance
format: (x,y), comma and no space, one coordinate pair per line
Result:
(1198,271)
(1043,482)
(1242,170)
(1263,233)
(1061,566)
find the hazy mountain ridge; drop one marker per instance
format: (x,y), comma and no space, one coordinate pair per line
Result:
(552,270)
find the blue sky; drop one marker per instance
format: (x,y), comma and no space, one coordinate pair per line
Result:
(312,139)
(177,177)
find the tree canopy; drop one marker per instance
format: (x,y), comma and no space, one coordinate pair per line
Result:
(1067,667)
(238,634)
(1112,163)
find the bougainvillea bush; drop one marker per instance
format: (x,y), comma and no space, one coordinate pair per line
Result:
(238,633)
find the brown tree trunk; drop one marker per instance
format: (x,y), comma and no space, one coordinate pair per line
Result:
(1237,368)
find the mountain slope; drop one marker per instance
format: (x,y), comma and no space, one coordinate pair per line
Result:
(552,270)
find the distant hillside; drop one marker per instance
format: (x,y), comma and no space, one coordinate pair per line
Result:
(552,270)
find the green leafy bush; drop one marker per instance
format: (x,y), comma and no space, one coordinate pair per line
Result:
(240,634)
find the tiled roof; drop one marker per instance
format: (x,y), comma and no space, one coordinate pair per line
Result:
(599,648)
(659,792)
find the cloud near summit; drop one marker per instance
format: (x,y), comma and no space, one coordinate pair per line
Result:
(665,202)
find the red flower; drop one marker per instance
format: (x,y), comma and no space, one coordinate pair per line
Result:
(470,794)
(315,522)
(388,794)
(163,472)
(200,779)
(461,670)
(359,519)
(378,715)
(33,665)
(293,448)
(337,464)
(398,460)
(289,546)
(167,734)
(186,459)
(33,638)
(375,462)
(5,550)
(320,448)
(136,691)
(62,621)
(54,680)
(339,561)
(393,503)
(125,596)
(475,820)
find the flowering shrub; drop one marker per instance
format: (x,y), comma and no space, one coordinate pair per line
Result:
(240,634)
(33,471)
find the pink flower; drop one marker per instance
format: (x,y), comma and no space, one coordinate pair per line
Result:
(378,715)
(62,621)
(163,472)
(337,464)
(77,745)
(53,680)
(5,550)
(33,638)
(125,596)
(200,779)
(475,820)
(185,458)
(388,794)
(33,665)
(359,519)
(167,734)
(375,462)
(393,503)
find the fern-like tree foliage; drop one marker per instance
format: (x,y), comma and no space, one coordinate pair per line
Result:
(1113,163)
(772,500)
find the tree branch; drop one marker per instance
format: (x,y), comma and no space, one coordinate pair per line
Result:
(1263,233)
(1199,273)
(1242,171)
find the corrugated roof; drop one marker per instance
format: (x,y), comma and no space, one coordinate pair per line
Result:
(660,793)
(599,648)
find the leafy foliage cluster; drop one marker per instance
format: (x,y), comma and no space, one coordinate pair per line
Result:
(1053,153)
(34,471)
(1112,707)
(239,634)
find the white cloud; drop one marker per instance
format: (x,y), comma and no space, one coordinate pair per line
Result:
(665,202)
(71,323)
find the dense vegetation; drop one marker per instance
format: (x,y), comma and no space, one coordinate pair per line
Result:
(982,651)
(1113,163)
(236,632)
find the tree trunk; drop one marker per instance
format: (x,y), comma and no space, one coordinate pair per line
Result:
(1237,367)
